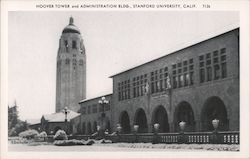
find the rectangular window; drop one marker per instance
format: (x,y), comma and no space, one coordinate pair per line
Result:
(191,61)
(191,67)
(224,70)
(107,107)
(174,82)
(66,43)
(191,78)
(174,66)
(209,73)
(201,57)
(89,109)
(185,79)
(166,77)
(223,58)
(119,91)
(180,80)
(216,60)
(179,64)
(74,44)
(216,72)
(185,63)
(94,108)
(201,64)
(101,108)
(202,75)
(208,55)
(83,110)
(215,53)
(222,51)
(124,90)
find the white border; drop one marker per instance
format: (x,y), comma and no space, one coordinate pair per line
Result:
(234,5)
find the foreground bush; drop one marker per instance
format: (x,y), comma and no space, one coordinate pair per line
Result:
(73,142)
(60,135)
(41,137)
(42,134)
(29,134)
(18,140)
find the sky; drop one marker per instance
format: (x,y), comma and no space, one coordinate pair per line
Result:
(114,41)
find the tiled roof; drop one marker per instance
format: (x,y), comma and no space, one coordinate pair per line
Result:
(60,116)
(33,121)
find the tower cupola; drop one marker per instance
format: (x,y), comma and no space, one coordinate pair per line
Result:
(71,28)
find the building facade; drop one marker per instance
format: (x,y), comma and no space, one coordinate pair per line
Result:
(196,84)
(93,114)
(71,69)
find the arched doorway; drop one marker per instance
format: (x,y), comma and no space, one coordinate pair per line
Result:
(89,130)
(57,128)
(125,122)
(141,120)
(95,126)
(160,116)
(184,112)
(214,108)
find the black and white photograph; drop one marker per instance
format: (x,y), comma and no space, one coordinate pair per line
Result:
(131,80)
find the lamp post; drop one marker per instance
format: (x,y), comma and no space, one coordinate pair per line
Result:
(215,124)
(136,127)
(103,102)
(156,129)
(66,112)
(182,125)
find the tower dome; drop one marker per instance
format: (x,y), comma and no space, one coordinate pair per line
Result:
(71,28)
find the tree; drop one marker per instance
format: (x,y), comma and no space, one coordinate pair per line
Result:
(12,116)
(15,125)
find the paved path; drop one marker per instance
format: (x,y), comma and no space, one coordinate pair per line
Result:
(124,147)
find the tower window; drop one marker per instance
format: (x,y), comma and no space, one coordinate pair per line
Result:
(74,44)
(65,43)
(67,61)
(80,62)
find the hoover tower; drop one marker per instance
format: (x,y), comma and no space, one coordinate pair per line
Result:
(71,69)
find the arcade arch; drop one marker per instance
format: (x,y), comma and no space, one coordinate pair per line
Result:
(141,120)
(214,108)
(184,112)
(160,116)
(125,122)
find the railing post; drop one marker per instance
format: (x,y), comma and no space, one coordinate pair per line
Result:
(135,133)
(215,124)
(182,125)
(156,137)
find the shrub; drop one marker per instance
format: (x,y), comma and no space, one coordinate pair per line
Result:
(73,142)
(60,135)
(42,134)
(29,134)
(41,137)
